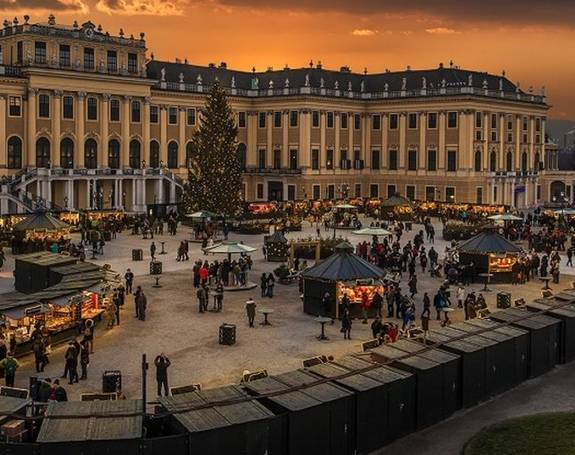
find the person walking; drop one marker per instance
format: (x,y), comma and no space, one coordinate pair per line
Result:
(251,311)
(460,295)
(570,256)
(129,277)
(141,303)
(425,315)
(118,302)
(84,359)
(9,365)
(153,251)
(346,325)
(69,361)
(39,354)
(412,285)
(364,306)
(219,297)
(264,284)
(162,364)
(201,295)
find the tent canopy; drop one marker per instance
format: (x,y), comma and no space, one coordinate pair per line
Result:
(505,217)
(230,248)
(40,221)
(487,242)
(396,201)
(343,265)
(276,237)
(201,215)
(345,207)
(372,231)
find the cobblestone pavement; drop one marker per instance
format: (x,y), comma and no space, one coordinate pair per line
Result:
(190,339)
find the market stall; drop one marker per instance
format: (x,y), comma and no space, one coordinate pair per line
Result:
(490,253)
(37,232)
(203,224)
(342,273)
(396,207)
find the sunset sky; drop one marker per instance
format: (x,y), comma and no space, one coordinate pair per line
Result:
(533,41)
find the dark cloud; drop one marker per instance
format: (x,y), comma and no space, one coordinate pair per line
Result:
(495,11)
(48,5)
(143,7)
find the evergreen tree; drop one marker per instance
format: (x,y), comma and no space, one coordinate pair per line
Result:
(214,170)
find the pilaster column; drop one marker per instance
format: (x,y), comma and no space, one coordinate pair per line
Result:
(56,127)
(518,134)
(103,149)
(350,130)
(31,130)
(146,131)
(337,142)
(88,198)
(269,140)
(160,190)
(531,164)
(366,145)
(125,131)
(422,156)
(134,195)
(121,193)
(322,144)
(304,139)
(441,151)
(172,193)
(252,139)
(402,141)
(512,195)
(486,140)
(80,130)
(463,127)
(285,137)
(182,137)
(70,194)
(143,193)
(3,155)
(383,156)
(164,135)
(502,138)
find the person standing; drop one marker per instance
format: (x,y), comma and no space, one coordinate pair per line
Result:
(570,256)
(39,354)
(251,311)
(364,306)
(270,285)
(162,364)
(264,284)
(425,315)
(202,299)
(141,303)
(118,302)
(219,297)
(346,325)
(460,295)
(84,359)
(69,360)
(58,392)
(129,277)
(153,251)
(377,302)
(9,365)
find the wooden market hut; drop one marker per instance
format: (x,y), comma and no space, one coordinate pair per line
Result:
(492,253)
(396,207)
(342,272)
(38,226)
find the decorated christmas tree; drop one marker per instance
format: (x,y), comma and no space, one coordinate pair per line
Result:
(214,172)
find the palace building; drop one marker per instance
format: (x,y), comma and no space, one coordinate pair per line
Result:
(89,120)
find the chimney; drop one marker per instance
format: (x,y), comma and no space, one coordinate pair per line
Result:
(224,65)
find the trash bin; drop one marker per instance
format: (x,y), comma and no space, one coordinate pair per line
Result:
(227,334)
(503,300)
(155,267)
(137,255)
(112,381)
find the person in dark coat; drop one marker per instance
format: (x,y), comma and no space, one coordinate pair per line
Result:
(71,358)
(162,364)
(44,390)
(58,392)
(141,303)
(270,285)
(84,359)
(264,284)
(251,311)
(346,325)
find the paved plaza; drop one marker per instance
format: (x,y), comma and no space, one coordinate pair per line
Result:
(190,339)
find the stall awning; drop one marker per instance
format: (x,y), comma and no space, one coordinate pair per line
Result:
(25,310)
(487,242)
(41,221)
(343,265)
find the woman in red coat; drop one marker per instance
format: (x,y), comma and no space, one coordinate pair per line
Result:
(364,305)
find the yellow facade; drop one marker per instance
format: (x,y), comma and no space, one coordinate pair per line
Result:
(104,127)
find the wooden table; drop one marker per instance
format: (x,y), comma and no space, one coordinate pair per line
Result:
(487,276)
(546,280)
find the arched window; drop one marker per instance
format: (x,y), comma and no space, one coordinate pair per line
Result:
(42,152)
(537,162)
(154,154)
(509,162)
(114,154)
(493,161)
(477,163)
(67,153)
(557,190)
(173,155)
(135,154)
(190,152)
(524,161)
(14,153)
(90,154)
(242,158)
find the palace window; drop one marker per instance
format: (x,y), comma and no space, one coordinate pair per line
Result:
(375,159)
(44,106)
(90,154)
(19,52)
(452,120)
(357,190)
(293,119)
(356,122)
(412,121)
(374,190)
(15,106)
(173,115)
(315,159)
(43,152)
(494,121)
(154,114)
(89,63)
(68,107)
(376,122)
(316,192)
(432,121)
(277,119)
(40,52)
(112,61)
(315,119)
(391,190)
(114,154)
(262,158)
(242,155)
(64,55)
(432,160)
(155,154)
(277,156)
(393,121)
(449,194)
(329,159)
(410,192)
(451,160)
(136,111)
(343,119)
(173,155)
(191,117)
(330,121)
(92,108)
(14,153)
(260,191)
(477,161)
(241,119)
(132,63)
(293,159)
(412,160)
(392,160)
(114,110)
(262,119)
(134,156)
(478,119)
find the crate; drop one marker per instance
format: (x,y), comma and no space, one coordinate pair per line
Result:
(13,428)
(137,255)
(227,335)
(503,300)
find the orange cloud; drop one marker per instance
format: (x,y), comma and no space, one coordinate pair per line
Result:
(142,7)
(364,32)
(26,6)
(441,31)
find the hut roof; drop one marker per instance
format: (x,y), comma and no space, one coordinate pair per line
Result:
(40,221)
(276,237)
(343,265)
(489,241)
(396,201)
